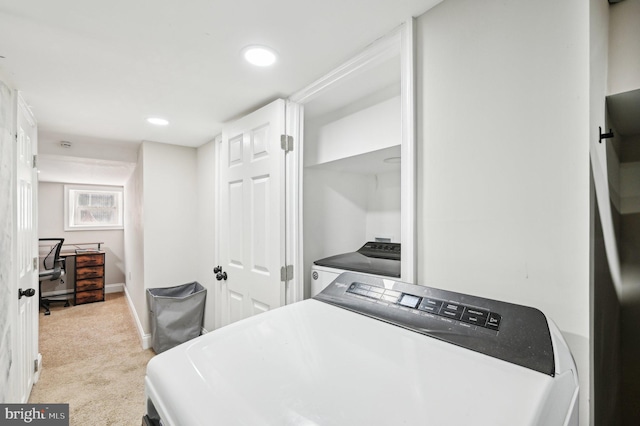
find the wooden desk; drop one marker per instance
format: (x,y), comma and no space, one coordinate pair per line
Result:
(88,283)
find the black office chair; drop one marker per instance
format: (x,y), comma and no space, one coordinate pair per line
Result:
(53,270)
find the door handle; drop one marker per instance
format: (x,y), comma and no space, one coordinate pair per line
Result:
(27,293)
(219,274)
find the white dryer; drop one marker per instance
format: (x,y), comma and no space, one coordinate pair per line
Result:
(373,258)
(371,351)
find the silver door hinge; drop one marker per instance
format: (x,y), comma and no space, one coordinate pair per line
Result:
(35,365)
(286,273)
(286,143)
(35,263)
(35,161)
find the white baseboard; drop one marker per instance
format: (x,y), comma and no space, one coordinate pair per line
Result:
(114,288)
(54,293)
(145,338)
(36,376)
(109,288)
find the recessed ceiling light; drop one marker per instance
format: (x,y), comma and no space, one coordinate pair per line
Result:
(157,121)
(259,56)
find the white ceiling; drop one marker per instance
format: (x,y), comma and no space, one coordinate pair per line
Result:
(93,71)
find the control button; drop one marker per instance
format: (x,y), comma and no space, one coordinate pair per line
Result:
(430,305)
(392,293)
(451,310)
(374,295)
(409,300)
(377,289)
(392,299)
(475,316)
(360,291)
(494,321)
(355,286)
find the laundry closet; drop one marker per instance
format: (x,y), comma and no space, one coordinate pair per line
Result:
(352,162)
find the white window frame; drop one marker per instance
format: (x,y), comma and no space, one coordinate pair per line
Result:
(69,207)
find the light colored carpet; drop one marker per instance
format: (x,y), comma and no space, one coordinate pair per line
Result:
(92,359)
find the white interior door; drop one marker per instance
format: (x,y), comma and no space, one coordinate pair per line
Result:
(27,251)
(252,214)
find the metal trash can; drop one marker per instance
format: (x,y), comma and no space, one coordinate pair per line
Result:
(176,314)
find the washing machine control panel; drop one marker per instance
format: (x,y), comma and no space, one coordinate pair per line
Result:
(514,333)
(419,305)
(381,250)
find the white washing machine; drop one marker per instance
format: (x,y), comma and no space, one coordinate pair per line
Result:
(373,258)
(371,351)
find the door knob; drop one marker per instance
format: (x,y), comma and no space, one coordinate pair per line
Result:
(27,293)
(221,276)
(217,269)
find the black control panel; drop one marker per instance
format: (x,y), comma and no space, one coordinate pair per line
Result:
(513,333)
(381,250)
(468,314)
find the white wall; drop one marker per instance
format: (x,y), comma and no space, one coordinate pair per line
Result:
(134,246)
(51,225)
(370,129)
(170,214)
(504,158)
(383,218)
(335,205)
(162,227)
(624,45)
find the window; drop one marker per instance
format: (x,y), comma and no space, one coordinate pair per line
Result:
(93,207)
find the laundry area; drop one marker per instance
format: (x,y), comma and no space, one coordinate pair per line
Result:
(335,350)
(352,175)
(354,316)
(409,212)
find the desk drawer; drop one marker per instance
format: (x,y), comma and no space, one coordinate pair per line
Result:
(89,296)
(93,259)
(89,280)
(89,272)
(90,284)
